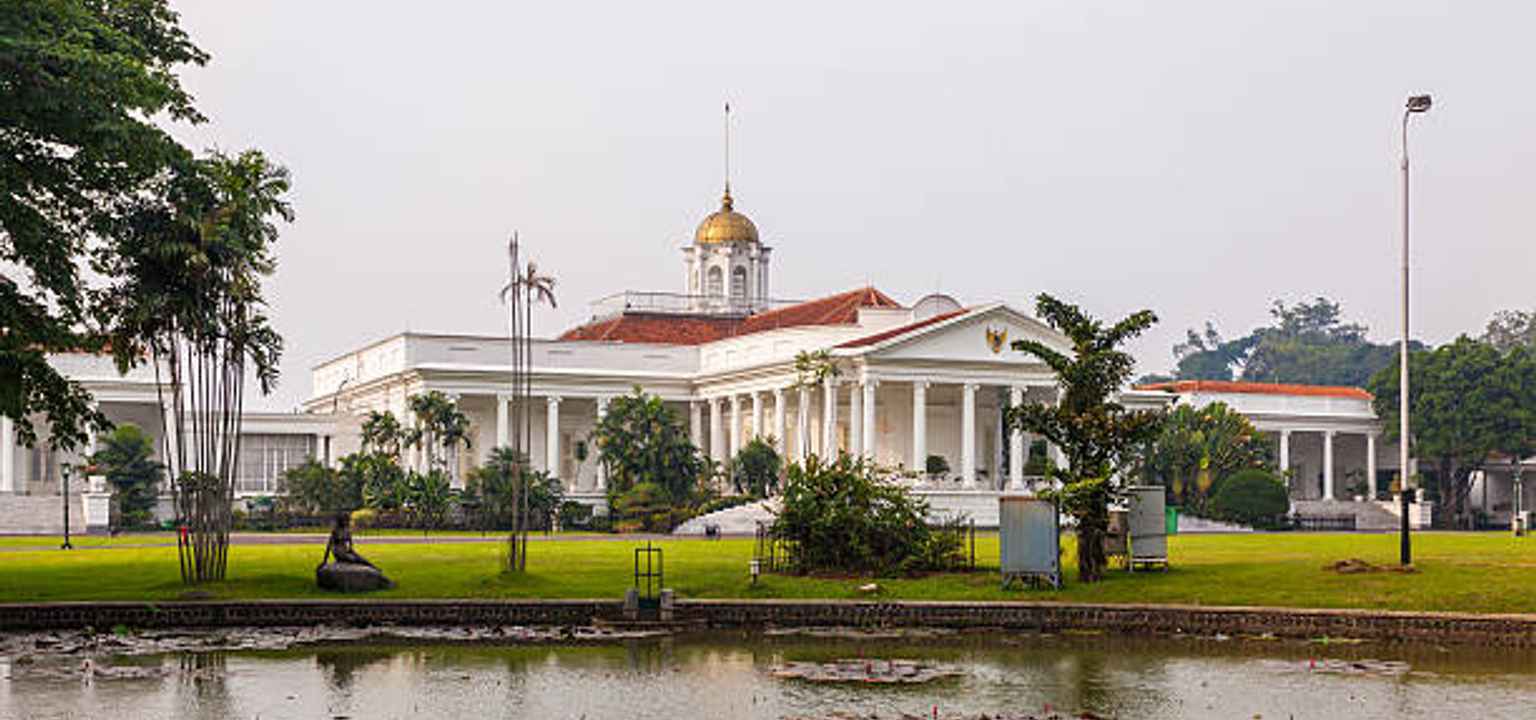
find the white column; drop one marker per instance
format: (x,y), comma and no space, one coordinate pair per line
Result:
(552,436)
(802,441)
(716,432)
(503,429)
(778,422)
(7,455)
(696,423)
(1328,465)
(168,427)
(602,470)
(829,419)
(920,426)
(856,419)
(968,436)
(868,444)
(1285,451)
(1370,465)
(735,426)
(1015,444)
(757,416)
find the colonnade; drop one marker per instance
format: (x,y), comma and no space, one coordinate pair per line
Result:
(820,435)
(1328,437)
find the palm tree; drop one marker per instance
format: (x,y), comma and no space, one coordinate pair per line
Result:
(191,260)
(526,288)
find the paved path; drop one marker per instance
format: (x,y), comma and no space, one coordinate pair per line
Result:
(151,541)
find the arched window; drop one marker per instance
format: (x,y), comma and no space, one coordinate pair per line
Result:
(715,284)
(739,284)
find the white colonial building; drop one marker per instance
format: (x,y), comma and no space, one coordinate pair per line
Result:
(929,379)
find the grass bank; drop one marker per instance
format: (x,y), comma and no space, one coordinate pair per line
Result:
(1481,572)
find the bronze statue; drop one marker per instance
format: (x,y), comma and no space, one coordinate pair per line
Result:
(343,569)
(339,545)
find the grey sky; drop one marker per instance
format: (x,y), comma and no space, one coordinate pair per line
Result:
(1197,158)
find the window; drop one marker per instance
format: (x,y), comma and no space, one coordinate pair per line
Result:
(716,282)
(739,284)
(264,459)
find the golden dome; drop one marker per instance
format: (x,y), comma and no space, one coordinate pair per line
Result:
(725,226)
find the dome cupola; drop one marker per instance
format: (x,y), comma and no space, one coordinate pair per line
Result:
(725,226)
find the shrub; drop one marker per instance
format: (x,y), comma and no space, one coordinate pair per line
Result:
(841,516)
(365,518)
(575,514)
(1252,497)
(755,469)
(646,508)
(936,465)
(126,458)
(314,489)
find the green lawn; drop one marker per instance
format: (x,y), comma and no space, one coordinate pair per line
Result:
(1485,572)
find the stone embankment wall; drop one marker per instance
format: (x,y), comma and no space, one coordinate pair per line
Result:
(1512,630)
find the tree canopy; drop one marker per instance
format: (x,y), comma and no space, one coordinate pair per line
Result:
(1308,343)
(1510,329)
(82,85)
(641,440)
(1198,448)
(1467,400)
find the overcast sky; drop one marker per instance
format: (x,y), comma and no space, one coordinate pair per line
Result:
(1196,158)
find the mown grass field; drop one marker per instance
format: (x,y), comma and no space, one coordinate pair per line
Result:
(1482,572)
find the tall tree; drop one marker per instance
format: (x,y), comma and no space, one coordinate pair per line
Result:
(126,457)
(1509,329)
(1308,343)
(641,440)
(1098,435)
(1514,404)
(441,427)
(187,294)
(382,433)
(82,84)
(1455,402)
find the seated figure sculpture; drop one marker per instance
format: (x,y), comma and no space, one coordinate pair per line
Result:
(349,572)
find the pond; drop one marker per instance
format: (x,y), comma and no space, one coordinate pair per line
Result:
(715,675)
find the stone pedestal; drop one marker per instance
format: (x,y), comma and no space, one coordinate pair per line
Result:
(97,511)
(351,578)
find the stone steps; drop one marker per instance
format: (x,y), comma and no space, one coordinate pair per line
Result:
(739,520)
(36,515)
(1368,515)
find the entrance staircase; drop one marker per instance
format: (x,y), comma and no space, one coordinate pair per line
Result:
(739,520)
(36,515)
(1369,516)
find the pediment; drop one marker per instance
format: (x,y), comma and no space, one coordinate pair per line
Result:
(982,336)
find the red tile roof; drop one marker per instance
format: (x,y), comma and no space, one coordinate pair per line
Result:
(880,337)
(654,328)
(840,309)
(1227,386)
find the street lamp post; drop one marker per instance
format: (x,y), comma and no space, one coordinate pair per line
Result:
(64,488)
(1416,104)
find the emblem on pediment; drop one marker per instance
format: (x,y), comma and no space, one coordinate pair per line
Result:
(996,339)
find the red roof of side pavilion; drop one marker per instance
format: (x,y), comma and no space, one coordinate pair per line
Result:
(1227,386)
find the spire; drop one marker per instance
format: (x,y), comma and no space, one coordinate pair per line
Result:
(725,200)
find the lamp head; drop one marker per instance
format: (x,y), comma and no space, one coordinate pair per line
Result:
(1418,103)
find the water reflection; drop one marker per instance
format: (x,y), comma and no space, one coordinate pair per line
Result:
(728,676)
